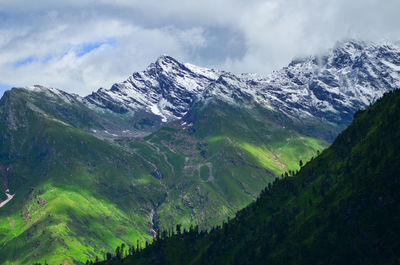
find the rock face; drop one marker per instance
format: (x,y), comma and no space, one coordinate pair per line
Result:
(329,87)
(334,85)
(166,88)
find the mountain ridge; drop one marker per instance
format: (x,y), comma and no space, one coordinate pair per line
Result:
(325,89)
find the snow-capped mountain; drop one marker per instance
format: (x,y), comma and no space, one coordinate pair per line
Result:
(329,87)
(166,88)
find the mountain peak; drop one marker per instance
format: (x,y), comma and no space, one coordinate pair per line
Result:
(349,43)
(165,63)
(165,58)
(166,89)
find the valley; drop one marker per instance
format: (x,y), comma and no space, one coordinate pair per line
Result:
(341,208)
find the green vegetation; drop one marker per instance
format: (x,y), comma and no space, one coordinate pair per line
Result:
(341,208)
(216,164)
(78,197)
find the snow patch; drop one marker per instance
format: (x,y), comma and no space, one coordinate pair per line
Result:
(9,198)
(112,134)
(209,73)
(391,65)
(155,110)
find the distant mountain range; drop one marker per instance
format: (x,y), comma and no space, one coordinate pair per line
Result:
(327,88)
(173,144)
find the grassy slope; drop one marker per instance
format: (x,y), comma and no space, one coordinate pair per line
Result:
(341,208)
(95,195)
(220,163)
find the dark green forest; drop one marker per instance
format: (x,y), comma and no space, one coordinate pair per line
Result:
(341,208)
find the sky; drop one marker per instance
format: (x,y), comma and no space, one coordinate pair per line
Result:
(82,45)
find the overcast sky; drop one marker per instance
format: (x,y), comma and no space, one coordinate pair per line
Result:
(81,45)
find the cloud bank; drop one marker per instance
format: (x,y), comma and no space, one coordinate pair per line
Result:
(79,46)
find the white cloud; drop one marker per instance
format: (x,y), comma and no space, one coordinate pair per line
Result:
(57,62)
(81,45)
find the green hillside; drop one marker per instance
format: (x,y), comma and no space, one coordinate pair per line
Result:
(219,160)
(341,208)
(75,195)
(78,196)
